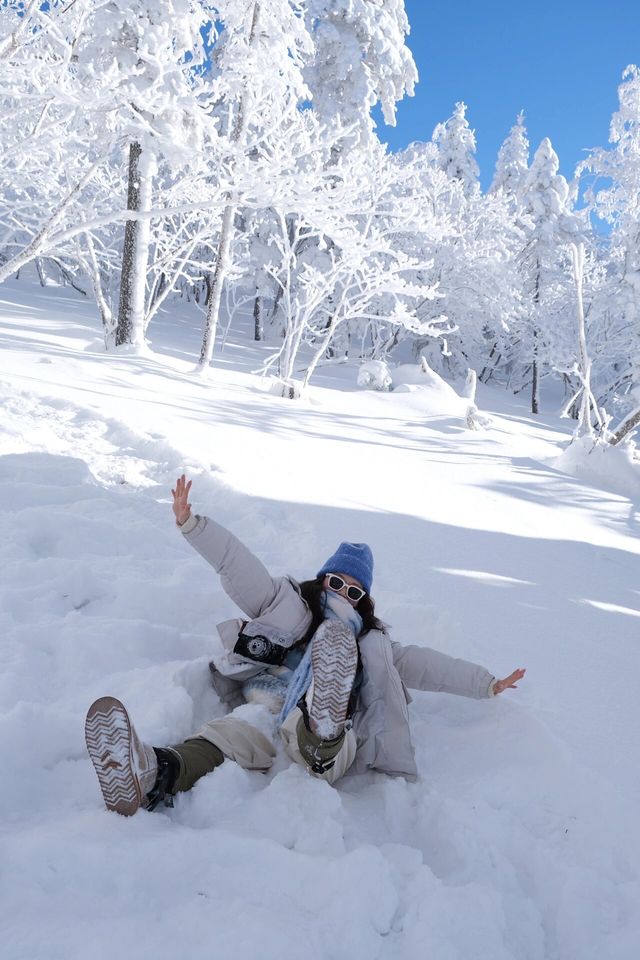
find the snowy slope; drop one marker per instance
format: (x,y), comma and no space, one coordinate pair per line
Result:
(520,839)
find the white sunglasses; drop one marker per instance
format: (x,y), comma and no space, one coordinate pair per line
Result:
(336,583)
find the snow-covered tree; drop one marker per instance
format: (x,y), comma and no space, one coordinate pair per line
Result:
(140,59)
(512,164)
(228,151)
(360,60)
(615,198)
(456,149)
(63,183)
(258,61)
(472,246)
(546,203)
(43,173)
(587,408)
(356,273)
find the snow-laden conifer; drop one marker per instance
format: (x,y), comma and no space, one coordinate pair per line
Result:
(472,241)
(546,203)
(456,148)
(513,160)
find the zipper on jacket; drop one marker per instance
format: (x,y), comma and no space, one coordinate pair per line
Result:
(395,676)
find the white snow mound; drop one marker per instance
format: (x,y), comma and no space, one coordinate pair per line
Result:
(612,467)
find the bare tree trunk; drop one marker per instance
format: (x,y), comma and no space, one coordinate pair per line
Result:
(585,427)
(40,271)
(280,287)
(224,244)
(322,349)
(276,302)
(135,253)
(258,325)
(207,287)
(573,407)
(535,380)
(105,313)
(215,288)
(628,424)
(535,384)
(329,326)
(158,287)
(485,372)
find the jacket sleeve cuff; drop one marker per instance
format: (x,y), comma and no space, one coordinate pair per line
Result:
(491,691)
(190,524)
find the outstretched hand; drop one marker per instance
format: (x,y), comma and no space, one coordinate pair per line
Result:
(181,505)
(510,681)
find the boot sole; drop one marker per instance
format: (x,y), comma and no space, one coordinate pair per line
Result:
(109,738)
(334,661)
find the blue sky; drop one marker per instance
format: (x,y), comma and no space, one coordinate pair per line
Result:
(559,62)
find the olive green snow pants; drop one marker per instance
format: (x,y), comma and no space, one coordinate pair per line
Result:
(235,739)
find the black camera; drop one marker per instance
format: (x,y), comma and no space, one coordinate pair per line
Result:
(261,649)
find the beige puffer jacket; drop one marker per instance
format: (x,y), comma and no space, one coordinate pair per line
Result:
(275,608)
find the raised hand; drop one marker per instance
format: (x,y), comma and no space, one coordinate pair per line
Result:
(181,505)
(510,681)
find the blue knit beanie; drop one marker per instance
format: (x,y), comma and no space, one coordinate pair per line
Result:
(355,559)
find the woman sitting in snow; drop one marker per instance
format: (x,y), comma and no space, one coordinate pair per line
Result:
(313,652)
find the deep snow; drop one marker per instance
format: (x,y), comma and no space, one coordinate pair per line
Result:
(520,840)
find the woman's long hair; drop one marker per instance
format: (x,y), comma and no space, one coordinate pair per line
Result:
(312,591)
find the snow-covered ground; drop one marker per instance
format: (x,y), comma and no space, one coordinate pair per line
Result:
(520,840)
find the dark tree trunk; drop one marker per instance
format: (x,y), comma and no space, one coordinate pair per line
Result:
(535,378)
(135,253)
(258,329)
(486,371)
(158,288)
(627,425)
